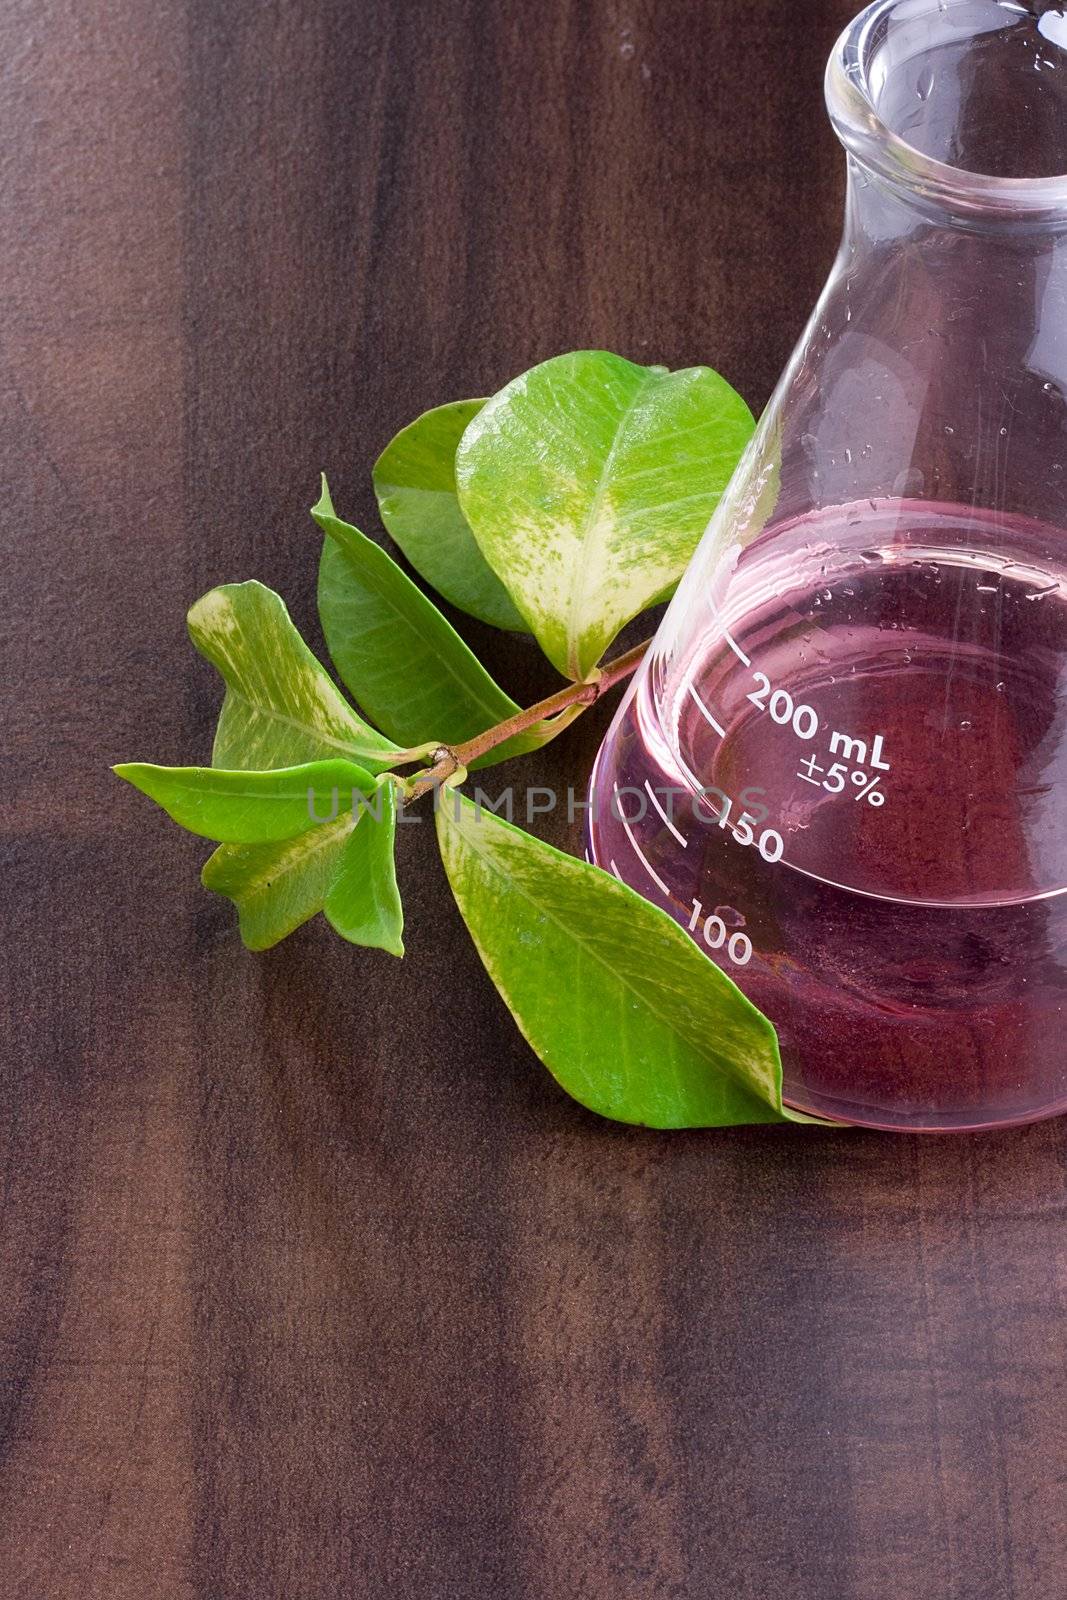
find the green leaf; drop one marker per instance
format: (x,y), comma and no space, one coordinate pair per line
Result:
(249,807)
(277,886)
(363,905)
(405,664)
(588,482)
(415,482)
(280,709)
(627,1014)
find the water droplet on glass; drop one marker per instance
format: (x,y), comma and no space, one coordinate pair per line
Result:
(1003,433)
(948,430)
(827,594)
(966,724)
(1000,688)
(872,556)
(925,84)
(848,457)
(1047,387)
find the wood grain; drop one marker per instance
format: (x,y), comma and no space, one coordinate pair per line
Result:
(313,1284)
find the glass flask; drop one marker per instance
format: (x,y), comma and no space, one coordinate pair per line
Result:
(843,765)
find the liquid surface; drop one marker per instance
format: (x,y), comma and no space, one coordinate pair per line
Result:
(849,786)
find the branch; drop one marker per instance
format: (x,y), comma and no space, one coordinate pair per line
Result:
(448,759)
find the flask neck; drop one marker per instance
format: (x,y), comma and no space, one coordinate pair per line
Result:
(880,211)
(986,302)
(956,110)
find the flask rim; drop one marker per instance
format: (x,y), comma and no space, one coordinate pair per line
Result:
(850,101)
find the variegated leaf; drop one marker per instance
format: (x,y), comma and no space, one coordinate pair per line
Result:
(277,886)
(281,708)
(588,482)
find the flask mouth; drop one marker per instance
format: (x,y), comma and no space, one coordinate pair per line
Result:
(962,102)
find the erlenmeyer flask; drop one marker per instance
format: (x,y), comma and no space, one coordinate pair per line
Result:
(843,766)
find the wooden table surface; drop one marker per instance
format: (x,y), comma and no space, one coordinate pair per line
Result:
(313,1283)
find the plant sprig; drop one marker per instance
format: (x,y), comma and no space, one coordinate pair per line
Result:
(565,505)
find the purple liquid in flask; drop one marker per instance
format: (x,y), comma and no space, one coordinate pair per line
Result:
(843,767)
